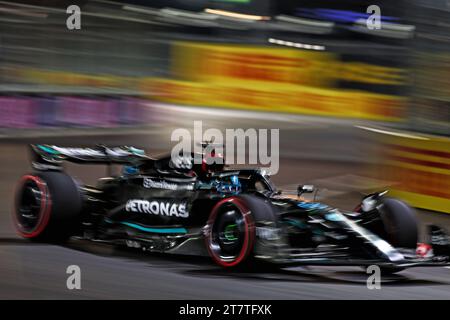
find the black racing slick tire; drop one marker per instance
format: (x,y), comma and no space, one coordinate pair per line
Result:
(400,223)
(47,206)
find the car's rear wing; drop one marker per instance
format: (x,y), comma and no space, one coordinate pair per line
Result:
(50,157)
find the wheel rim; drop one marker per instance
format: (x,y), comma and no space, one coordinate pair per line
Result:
(29,208)
(230,233)
(32,211)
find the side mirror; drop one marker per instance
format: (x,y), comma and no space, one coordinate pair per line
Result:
(306,188)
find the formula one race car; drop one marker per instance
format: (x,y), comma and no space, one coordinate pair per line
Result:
(177,205)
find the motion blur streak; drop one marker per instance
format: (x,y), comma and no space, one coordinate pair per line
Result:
(392,133)
(296,44)
(236,15)
(357,110)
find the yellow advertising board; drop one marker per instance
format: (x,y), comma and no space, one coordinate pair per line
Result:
(420,171)
(278,98)
(225,63)
(372,74)
(237,63)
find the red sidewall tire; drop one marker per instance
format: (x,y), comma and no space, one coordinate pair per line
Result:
(44,212)
(249,236)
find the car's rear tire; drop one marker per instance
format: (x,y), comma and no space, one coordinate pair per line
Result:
(230,232)
(400,223)
(47,206)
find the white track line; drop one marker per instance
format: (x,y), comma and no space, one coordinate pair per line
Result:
(257,114)
(393,133)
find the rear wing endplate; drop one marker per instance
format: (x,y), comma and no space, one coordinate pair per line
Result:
(51,157)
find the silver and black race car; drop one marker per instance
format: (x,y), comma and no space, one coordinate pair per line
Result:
(237,217)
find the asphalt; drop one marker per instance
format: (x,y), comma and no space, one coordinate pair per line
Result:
(330,154)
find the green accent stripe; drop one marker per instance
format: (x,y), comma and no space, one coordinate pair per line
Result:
(153,230)
(48,149)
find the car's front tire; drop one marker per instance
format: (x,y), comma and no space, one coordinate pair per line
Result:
(400,223)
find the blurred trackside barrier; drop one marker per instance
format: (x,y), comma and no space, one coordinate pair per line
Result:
(278,79)
(280,98)
(419,170)
(71,111)
(39,76)
(265,78)
(17,113)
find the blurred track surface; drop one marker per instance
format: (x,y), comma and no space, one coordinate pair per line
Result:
(325,152)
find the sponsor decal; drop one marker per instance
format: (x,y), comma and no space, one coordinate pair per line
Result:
(157,208)
(150,183)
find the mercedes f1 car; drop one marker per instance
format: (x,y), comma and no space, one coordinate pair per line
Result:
(235,216)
